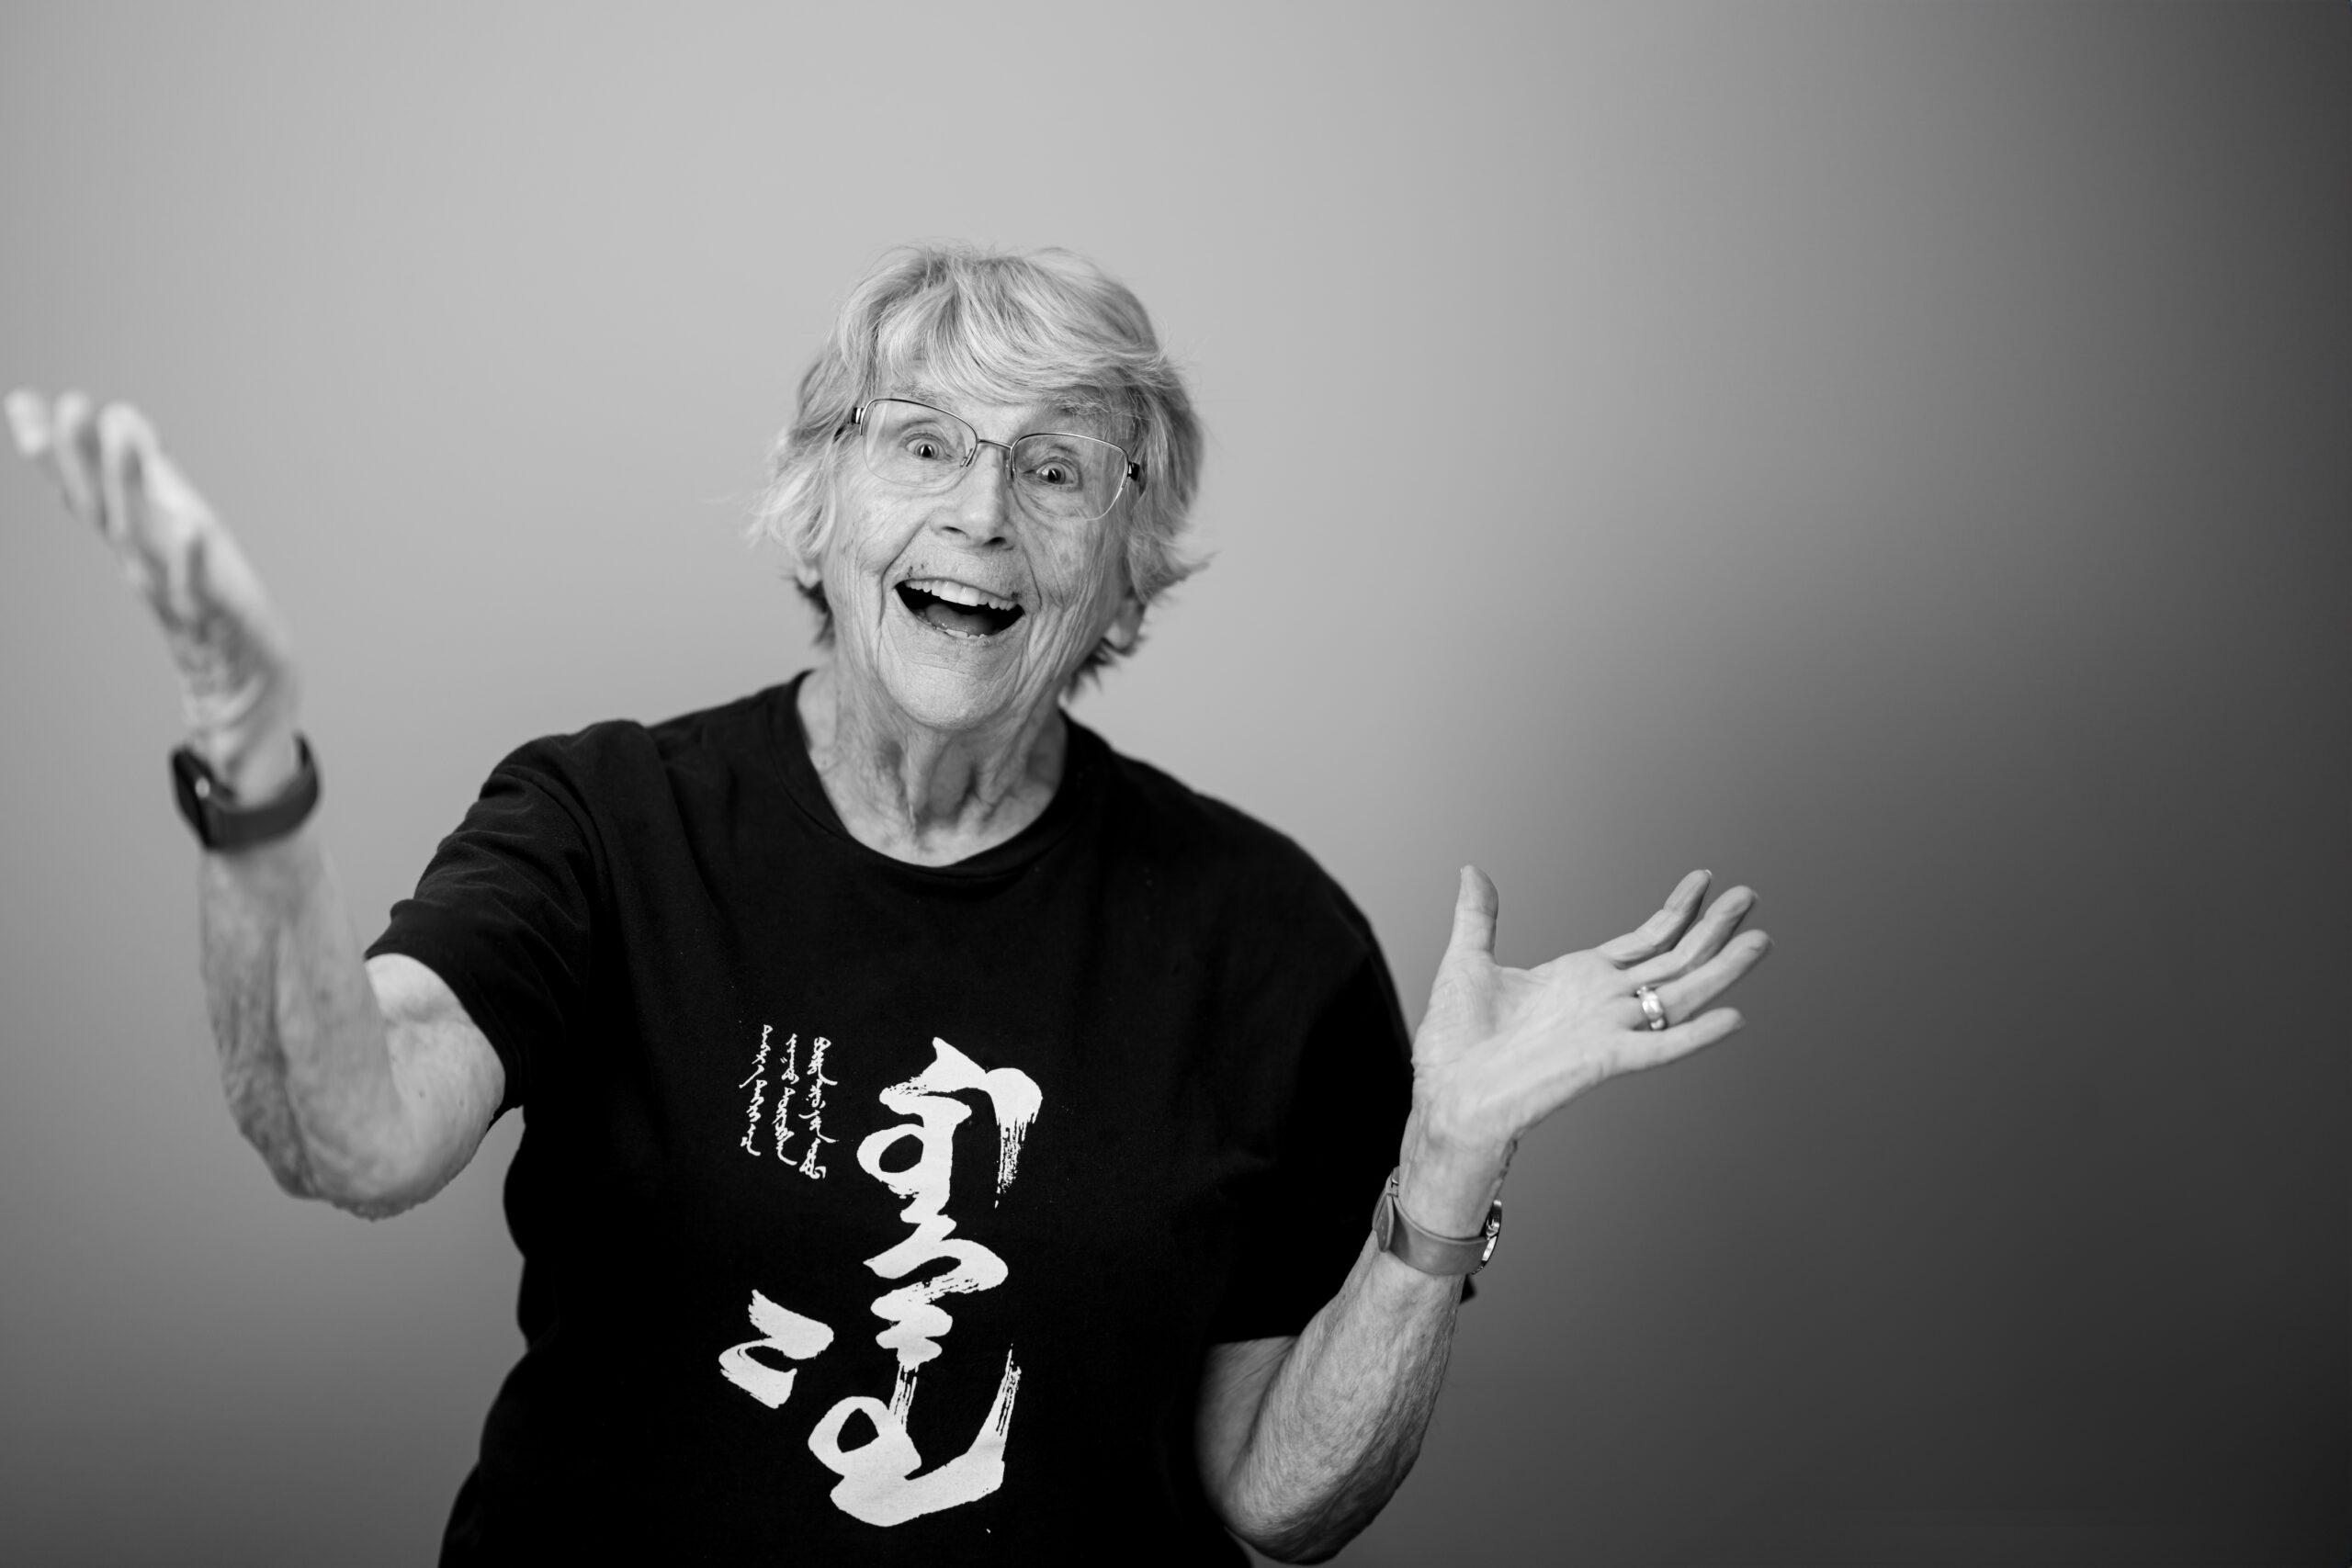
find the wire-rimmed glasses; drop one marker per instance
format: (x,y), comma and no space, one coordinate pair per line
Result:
(1057,478)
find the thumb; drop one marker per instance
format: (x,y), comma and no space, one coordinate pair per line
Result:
(1475,905)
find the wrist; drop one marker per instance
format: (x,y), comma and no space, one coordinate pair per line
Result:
(228,822)
(256,767)
(246,729)
(1448,1185)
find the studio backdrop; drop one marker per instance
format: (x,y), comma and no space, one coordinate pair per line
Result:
(1895,457)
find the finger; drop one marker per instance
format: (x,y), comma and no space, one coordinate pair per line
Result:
(118,428)
(175,549)
(152,552)
(1475,904)
(1702,942)
(220,580)
(1684,996)
(70,459)
(168,489)
(156,537)
(28,423)
(1654,934)
(1649,1048)
(33,423)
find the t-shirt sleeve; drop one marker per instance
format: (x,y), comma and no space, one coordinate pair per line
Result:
(1303,1227)
(503,912)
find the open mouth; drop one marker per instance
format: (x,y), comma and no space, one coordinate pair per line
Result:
(958,608)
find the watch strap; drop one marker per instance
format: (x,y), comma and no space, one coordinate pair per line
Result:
(1425,1250)
(221,821)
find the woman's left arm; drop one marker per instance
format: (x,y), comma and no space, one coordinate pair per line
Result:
(1303,1441)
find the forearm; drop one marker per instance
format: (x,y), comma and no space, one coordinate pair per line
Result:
(1343,1416)
(304,1055)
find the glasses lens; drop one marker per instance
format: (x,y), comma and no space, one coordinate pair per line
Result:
(1067,479)
(1057,478)
(911,444)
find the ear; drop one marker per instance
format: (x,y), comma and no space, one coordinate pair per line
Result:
(1126,623)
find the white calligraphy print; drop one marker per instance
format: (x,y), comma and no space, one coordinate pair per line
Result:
(878,1483)
(790,1075)
(796,1336)
(758,1084)
(915,1324)
(816,1116)
(780,1120)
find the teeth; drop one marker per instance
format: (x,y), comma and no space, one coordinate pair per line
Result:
(959,592)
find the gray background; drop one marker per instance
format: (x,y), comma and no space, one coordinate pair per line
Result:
(1895,456)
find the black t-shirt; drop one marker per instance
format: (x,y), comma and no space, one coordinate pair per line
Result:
(874,1212)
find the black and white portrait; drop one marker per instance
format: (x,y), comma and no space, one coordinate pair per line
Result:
(1385,784)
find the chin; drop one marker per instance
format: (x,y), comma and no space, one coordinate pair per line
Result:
(953,688)
(949,700)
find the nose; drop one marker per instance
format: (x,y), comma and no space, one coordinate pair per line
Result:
(980,502)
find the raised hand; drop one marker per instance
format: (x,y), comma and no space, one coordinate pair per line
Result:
(1501,1049)
(235,661)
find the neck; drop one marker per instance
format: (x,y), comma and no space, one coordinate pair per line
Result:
(921,794)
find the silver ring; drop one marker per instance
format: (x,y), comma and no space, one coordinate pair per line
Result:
(1651,1009)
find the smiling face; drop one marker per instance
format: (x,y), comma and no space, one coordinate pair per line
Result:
(960,607)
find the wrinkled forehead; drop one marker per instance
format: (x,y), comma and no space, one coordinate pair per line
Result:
(1002,404)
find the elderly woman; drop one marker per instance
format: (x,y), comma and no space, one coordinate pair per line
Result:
(947,1140)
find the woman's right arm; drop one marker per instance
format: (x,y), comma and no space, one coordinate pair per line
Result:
(363,1082)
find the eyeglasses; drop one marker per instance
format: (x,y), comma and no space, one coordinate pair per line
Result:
(1056,477)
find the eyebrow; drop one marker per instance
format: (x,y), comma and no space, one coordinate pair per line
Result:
(921,393)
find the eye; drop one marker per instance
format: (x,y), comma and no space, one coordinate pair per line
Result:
(925,446)
(1051,463)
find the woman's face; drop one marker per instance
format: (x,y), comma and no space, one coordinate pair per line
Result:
(901,571)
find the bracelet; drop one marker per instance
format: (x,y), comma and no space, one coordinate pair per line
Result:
(1425,1250)
(221,823)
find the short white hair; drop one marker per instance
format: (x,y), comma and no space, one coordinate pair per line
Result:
(996,326)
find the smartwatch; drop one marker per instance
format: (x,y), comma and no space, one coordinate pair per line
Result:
(221,821)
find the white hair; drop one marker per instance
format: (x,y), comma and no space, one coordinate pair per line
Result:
(997,326)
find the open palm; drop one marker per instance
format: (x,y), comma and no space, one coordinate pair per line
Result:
(237,671)
(1501,1048)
